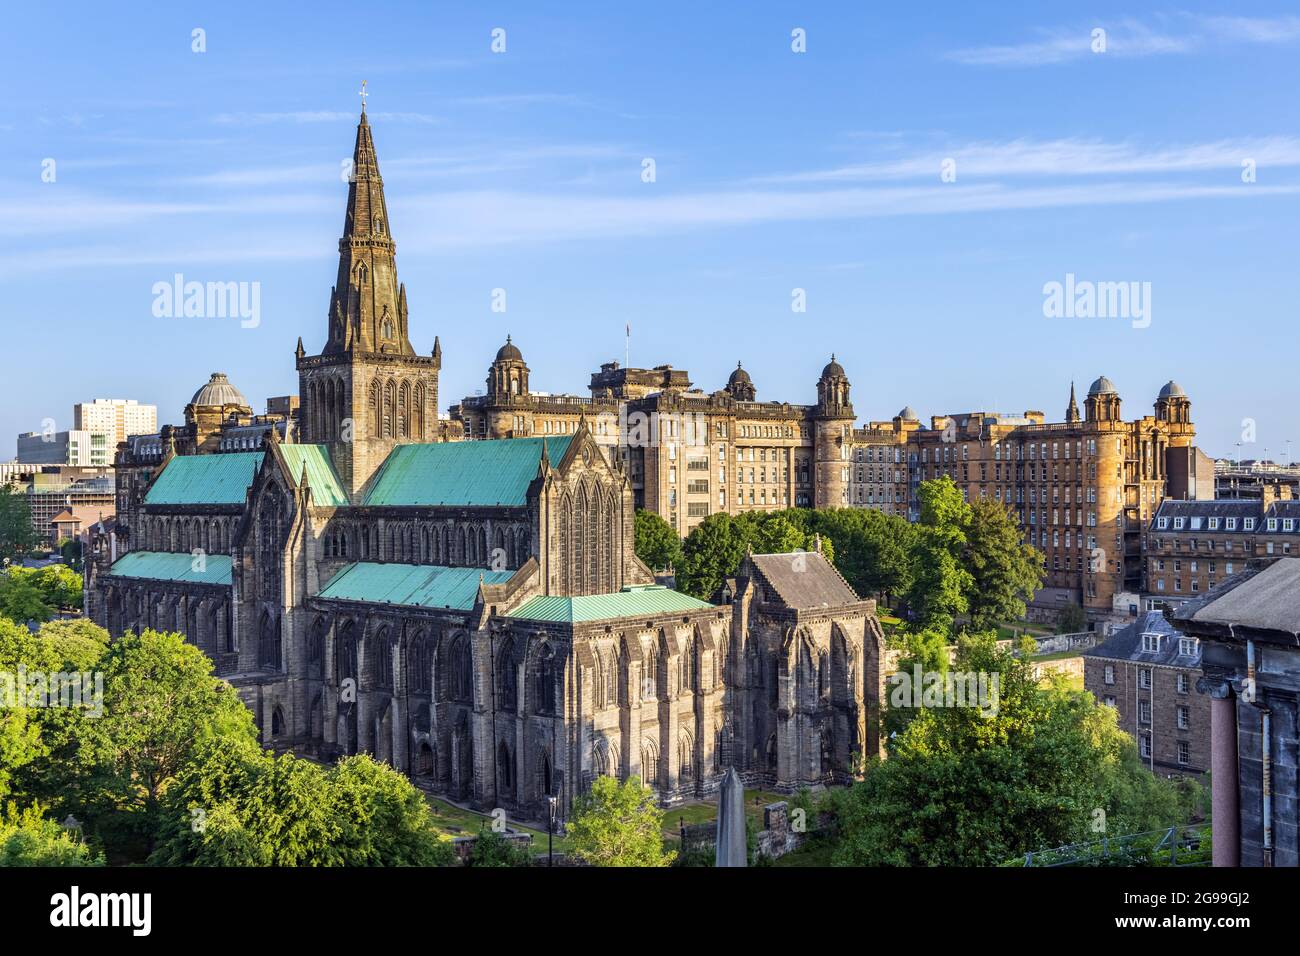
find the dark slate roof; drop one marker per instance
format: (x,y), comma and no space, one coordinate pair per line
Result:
(804,580)
(1259,599)
(1126,644)
(1282,510)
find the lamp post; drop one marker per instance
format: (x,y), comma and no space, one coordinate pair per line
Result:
(551,806)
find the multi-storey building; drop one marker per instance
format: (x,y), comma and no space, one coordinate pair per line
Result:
(1192,546)
(689,454)
(116,417)
(1084,488)
(1148,672)
(880,477)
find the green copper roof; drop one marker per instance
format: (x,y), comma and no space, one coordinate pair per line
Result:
(326,489)
(167,566)
(490,472)
(644,601)
(205,479)
(416,585)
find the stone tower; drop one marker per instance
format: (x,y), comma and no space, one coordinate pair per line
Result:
(1174,409)
(833,425)
(367,390)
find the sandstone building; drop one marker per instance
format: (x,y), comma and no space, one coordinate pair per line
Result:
(473,611)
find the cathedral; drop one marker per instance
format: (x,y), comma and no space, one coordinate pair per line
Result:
(471,611)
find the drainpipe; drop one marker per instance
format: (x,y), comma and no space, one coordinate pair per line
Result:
(1266,754)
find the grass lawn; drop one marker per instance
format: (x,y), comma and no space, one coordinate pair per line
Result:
(452,821)
(1056,655)
(814,854)
(706,811)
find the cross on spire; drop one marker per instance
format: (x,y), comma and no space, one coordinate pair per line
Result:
(363,94)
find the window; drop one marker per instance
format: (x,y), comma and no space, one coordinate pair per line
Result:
(1184,683)
(1110,674)
(1109,700)
(1144,678)
(1144,746)
(1184,752)
(1184,718)
(1187,646)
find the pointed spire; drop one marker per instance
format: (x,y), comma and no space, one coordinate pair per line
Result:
(367,306)
(437,349)
(1072,410)
(299,351)
(544,464)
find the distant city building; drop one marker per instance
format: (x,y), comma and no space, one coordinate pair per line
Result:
(1193,546)
(1249,629)
(117,417)
(1148,672)
(73,447)
(1256,481)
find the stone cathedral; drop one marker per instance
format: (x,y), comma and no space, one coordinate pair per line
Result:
(471,611)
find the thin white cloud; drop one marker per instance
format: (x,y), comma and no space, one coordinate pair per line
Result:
(1131,38)
(1062,157)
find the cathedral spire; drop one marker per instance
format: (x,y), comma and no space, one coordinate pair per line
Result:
(368,305)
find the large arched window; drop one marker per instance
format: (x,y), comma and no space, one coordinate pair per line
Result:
(507,684)
(546,676)
(462,675)
(419,664)
(268,642)
(382,671)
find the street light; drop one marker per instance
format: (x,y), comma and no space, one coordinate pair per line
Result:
(552,804)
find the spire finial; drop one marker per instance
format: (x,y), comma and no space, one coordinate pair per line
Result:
(507,338)
(737,363)
(363,94)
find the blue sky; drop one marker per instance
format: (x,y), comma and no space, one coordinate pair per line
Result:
(775,170)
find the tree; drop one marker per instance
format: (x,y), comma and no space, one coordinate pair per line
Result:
(21,600)
(713,550)
(657,544)
(872,550)
(234,804)
(60,586)
(619,824)
(1071,620)
(940,582)
(20,731)
(161,703)
(1005,571)
(28,838)
(976,786)
(17,537)
(491,849)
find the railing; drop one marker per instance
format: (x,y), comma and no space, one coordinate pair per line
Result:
(1187,845)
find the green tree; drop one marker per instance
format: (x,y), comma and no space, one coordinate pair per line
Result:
(491,849)
(657,544)
(161,702)
(872,550)
(1071,620)
(927,650)
(60,586)
(21,742)
(712,551)
(21,600)
(17,537)
(619,824)
(940,582)
(1005,570)
(968,786)
(28,838)
(234,804)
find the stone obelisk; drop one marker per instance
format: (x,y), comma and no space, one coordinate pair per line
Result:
(733,849)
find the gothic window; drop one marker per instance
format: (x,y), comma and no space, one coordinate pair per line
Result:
(386,328)
(404,410)
(268,642)
(650,674)
(649,765)
(419,665)
(362,273)
(277,722)
(390,402)
(462,677)
(507,689)
(345,653)
(686,752)
(598,681)
(382,672)
(316,649)
(375,418)
(546,675)
(687,666)
(505,769)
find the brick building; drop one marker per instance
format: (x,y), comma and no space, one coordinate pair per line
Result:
(1148,672)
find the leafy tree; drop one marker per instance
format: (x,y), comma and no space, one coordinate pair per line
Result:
(77,643)
(20,732)
(1005,571)
(964,787)
(940,582)
(1071,620)
(712,551)
(234,804)
(619,824)
(70,549)
(28,838)
(384,819)
(928,650)
(657,544)
(21,600)
(872,550)
(491,849)
(161,703)
(17,537)
(60,586)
